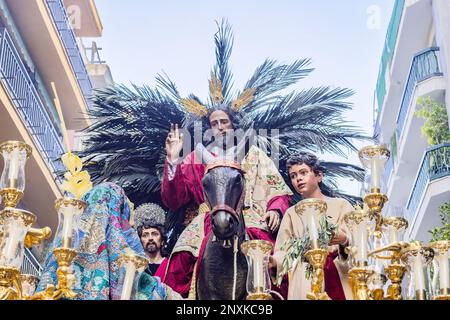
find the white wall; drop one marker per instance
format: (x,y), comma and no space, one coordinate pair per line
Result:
(441,15)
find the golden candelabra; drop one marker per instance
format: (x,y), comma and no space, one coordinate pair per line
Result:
(403,257)
(317,258)
(17,232)
(374,158)
(15,154)
(394,271)
(359,274)
(310,211)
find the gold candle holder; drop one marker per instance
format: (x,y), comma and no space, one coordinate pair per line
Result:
(65,278)
(10,288)
(357,222)
(374,158)
(64,257)
(310,211)
(11,197)
(15,225)
(69,210)
(12,182)
(132,264)
(441,249)
(395,271)
(394,225)
(317,258)
(258,280)
(358,278)
(417,255)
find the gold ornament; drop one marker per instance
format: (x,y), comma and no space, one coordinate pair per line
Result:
(215,90)
(244,98)
(192,106)
(77,182)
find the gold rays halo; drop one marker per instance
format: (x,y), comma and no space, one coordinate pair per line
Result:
(215,91)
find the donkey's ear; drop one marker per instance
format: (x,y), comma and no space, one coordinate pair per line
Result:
(203,155)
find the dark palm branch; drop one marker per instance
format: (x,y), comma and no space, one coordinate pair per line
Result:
(125,143)
(224,45)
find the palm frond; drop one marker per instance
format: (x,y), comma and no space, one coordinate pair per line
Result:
(271,77)
(224,45)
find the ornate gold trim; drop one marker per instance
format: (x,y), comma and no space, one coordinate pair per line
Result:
(395,273)
(259,296)
(79,204)
(192,106)
(10,283)
(375,201)
(369,152)
(11,196)
(358,278)
(441,246)
(357,216)
(397,222)
(215,90)
(317,204)
(138,261)
(36,236)
(244,98)
(9,146)
(27,217)
(265,246)
(317,258)
(414,248)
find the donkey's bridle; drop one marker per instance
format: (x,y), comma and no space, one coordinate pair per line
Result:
(235,212)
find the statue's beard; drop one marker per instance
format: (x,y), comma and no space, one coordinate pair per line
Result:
(151,247)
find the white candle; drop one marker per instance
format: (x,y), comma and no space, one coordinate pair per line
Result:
(443,271)
(313,226)
(68,213)
(376,173)
(130,270)
(13,172)
(393,234)
(12,240)
(361,242)
(419,278)
(258,271)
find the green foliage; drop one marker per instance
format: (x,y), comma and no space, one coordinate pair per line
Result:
(443,232)
(296,248)
(435,127)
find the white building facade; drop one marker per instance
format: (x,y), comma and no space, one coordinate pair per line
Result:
(41,43)
(415,64)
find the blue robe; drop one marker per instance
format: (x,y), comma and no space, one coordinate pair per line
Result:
(105,234)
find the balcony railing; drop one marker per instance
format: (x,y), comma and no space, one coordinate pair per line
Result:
(58,12)
(424,65)
(30,265)
(435,165)
(28,103)
(388,52)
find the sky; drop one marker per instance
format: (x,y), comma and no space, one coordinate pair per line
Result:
(343,38)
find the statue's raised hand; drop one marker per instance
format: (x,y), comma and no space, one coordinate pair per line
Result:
(174,143)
